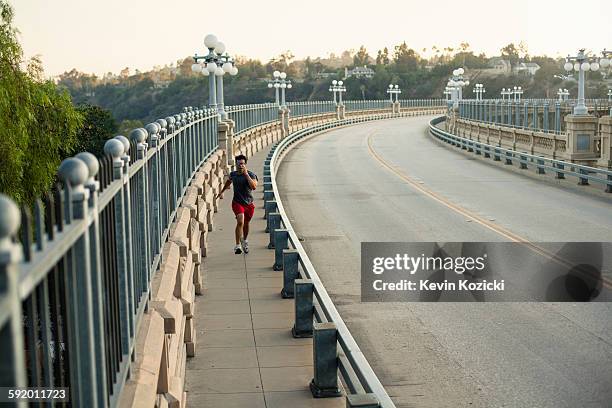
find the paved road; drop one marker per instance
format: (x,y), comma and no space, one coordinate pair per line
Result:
(389,181)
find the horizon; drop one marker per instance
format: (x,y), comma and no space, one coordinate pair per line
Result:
(46,28)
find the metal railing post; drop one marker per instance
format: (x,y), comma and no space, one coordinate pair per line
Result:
(97,288)
(325,361)
(274,220)
(12,359)
(74,172)
(291,259)
(281,242)
(304,309)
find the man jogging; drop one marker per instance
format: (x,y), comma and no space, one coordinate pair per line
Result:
(245,182)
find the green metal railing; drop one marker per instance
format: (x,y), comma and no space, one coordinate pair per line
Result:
(542,115)
(74,291)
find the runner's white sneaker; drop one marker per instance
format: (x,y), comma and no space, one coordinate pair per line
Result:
(237,250)
(245,246)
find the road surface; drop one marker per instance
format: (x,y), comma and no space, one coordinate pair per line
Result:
(390,181)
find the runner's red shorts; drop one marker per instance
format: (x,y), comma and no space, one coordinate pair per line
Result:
(247,210)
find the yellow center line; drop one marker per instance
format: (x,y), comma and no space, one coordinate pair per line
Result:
(474,217)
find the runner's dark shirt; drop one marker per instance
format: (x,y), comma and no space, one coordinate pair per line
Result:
(242,191)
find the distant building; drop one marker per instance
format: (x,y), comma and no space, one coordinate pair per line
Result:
(325,75)
(359,72)
(529,68)
(161,84)
(498,65)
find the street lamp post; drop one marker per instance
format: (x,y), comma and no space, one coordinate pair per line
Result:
(581,65)
(448,92)
(456,83)
(394,90)
(563,94)
(279,82)
(217,63)
(606,61)
(332,88)
(517,91)
(506,92)
(338,87)
(479,90)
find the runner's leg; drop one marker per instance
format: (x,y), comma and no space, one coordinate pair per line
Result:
(248,214)
(239,227)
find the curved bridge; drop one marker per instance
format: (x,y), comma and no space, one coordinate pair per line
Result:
(102,277)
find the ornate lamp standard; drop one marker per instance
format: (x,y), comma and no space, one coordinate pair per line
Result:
(581,65)
(457,82)
(479,90)
(394,90)
(563,94)
(506,92)
(517,91)
(338,87)
(279,82)
(448,91)
(216,64)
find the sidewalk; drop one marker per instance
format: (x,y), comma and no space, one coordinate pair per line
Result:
(245,354)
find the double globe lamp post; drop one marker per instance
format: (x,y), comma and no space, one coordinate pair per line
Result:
(394,90)
(279,82)
(479,90)
(456,84)
(338,87)
(216,64)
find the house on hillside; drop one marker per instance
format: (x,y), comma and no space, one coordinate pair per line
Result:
(325,75)
(529,68)
(498,65)
(359,72)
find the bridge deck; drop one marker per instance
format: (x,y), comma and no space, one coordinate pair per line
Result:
(245,354)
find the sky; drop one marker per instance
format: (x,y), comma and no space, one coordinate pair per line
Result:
(96,36)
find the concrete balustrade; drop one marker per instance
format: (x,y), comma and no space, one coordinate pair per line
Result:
(167,336)
(585,139)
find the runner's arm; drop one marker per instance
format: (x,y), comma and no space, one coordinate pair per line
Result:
(252,181)
(228,182)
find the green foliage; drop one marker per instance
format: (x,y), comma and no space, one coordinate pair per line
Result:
(128,125)
(38,123)
(362,57)
(98,126)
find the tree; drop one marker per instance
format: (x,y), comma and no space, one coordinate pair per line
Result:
(523,50)
(361,57)
(406,59)
(38,123)
(128,125)
(98,127)
(383,57)
(511,53)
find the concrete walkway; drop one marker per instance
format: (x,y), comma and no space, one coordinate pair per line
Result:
(245,354)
